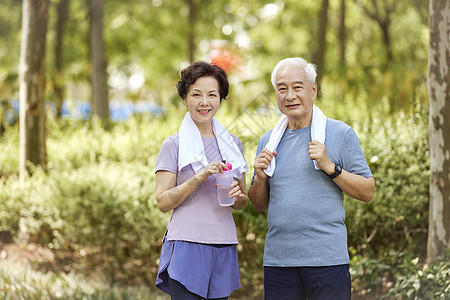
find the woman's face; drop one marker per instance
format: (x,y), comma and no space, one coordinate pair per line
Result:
(203,99)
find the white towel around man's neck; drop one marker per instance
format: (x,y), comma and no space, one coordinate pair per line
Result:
(191,149)
(318,126)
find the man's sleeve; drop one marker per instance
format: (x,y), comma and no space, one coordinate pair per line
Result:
(353,157)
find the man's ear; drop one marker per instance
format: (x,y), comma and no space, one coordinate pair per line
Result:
(314,87)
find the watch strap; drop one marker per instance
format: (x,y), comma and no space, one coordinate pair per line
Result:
(337,171)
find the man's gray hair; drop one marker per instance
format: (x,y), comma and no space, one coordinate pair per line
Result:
(310,69)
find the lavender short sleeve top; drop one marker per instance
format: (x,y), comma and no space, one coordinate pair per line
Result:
(199,218)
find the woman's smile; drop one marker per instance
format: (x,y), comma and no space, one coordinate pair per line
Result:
(204,112)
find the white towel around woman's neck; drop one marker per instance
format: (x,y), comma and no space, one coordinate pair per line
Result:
(318,126)
(191,149)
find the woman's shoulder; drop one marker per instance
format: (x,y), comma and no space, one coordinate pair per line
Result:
(236,139)
(173,140)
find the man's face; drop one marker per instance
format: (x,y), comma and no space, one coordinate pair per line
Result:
(295,96)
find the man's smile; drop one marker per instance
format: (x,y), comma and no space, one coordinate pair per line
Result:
(293,105)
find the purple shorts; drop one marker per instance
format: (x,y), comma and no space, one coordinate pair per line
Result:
(209,271)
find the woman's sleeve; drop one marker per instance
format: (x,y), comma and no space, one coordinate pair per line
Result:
(239,144)
(167,159)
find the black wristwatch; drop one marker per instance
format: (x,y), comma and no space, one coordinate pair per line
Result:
(337,171)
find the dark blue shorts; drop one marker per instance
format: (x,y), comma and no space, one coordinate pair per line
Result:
(312,283)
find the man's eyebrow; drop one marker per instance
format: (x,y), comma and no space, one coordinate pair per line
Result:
(282,83)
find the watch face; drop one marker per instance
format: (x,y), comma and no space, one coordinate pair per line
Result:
(338,168)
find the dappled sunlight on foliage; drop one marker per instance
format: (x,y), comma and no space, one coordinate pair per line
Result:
(95,207)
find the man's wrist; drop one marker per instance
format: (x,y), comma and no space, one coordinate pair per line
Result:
(330,169)
(336,171)
(259,180)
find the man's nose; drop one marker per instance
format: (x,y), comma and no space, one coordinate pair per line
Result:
(290,94)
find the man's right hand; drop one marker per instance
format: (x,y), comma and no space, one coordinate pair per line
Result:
(262,161)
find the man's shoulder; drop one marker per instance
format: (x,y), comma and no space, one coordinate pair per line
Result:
(337,125)
(265,137)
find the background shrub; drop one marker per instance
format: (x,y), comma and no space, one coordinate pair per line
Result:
(95,206)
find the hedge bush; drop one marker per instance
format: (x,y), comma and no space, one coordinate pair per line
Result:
(397,218)
(96,201)
(50,286)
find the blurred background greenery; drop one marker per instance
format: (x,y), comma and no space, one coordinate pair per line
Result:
(93,210)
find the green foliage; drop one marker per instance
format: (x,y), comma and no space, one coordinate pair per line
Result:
(9,154)
(397,218)
(10,23)
(424,282)
(263,32)
(399,275)
(50,286)
(96,200)
(95,206)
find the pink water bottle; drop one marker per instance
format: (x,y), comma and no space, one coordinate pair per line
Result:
(224,181)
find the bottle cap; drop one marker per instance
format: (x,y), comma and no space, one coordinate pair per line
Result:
(229,166)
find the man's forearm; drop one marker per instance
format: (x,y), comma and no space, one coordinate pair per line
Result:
(259,194)
(356,186)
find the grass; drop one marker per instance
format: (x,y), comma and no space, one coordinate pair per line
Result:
(30,284)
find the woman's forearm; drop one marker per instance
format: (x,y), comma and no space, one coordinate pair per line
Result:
(169,195)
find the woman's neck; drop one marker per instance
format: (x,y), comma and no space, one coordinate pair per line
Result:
(205,129)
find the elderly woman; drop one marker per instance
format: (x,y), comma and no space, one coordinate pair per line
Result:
(198,256)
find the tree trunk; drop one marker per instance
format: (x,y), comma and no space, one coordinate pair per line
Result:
(342,35)
(385,30)
(439,128)
(32,84)
(100,103)
(191,34)
(58,81)
(319,57)
(382,16)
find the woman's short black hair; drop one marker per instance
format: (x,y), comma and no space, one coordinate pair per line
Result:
(202,69)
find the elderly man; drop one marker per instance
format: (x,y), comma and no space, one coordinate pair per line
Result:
(302,168)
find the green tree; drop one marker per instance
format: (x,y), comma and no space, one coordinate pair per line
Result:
(32,84)
(439,124)
(10,24)
(100,103)
(62,11)
(319,53)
